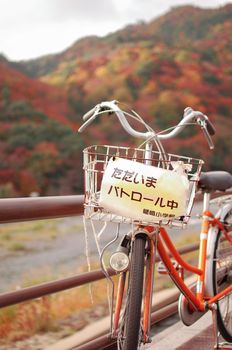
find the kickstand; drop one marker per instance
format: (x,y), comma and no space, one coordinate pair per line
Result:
(215,328)
(217,344)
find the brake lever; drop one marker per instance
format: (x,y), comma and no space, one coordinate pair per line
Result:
(97,109)
(210,127)
(203,125)
(89,113)
(90,118)
(93,113)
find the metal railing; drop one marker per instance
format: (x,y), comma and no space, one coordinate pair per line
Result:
(105,341)
(26,209)
(40,290)
(36,208)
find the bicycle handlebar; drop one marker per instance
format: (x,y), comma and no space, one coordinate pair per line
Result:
(112,106)
(189,116)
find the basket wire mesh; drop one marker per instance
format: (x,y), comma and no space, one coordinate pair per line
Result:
(96,159)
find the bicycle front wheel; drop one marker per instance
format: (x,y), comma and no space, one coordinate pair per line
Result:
(222,278)
(132,316)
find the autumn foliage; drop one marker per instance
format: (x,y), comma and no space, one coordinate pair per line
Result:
(183,58)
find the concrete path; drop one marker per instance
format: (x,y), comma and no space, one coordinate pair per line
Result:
(199,336)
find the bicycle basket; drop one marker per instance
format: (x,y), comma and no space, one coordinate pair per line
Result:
(121,185)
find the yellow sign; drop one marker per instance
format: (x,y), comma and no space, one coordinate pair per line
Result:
(143,192)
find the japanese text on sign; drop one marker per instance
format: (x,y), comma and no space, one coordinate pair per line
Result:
(135,177)
(138,197)
(142,192)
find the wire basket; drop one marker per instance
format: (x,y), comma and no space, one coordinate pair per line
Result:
(96,159)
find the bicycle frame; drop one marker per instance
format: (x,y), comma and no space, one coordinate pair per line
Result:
(198,301)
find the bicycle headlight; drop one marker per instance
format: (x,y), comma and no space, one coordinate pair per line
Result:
(119,261)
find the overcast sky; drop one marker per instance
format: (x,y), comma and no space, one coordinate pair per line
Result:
(32,28)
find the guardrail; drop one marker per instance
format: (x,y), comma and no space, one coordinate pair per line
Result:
(40,290)
(105,341)
(36,208)
(26,209)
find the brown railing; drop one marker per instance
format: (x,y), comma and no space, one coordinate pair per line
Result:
(25,209)
(35,208)
(105,341)
(41,290)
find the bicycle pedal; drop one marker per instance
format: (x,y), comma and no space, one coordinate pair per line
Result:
(161,268)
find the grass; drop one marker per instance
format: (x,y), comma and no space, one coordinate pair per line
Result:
(23,320)
(47,314)
(16,247)
(33,231)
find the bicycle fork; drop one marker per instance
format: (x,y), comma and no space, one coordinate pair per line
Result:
(148,287)
(149,281)
(151,235)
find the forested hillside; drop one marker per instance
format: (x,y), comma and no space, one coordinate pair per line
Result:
(39,149)
(183,58)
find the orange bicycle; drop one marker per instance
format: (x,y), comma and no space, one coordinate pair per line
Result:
(149,190)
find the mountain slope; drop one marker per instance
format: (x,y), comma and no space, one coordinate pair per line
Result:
(44,98)
(183,58)
(181,23)
(38,147)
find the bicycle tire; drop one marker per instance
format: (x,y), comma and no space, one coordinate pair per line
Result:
(134,301)
(222,264)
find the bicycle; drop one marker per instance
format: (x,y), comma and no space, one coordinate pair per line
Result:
(150,190)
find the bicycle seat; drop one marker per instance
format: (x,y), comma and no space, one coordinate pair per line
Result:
(215,181)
